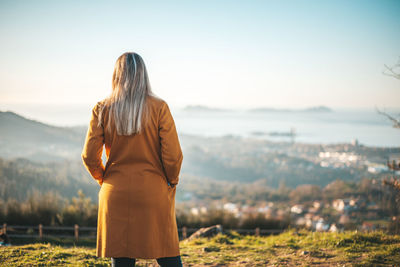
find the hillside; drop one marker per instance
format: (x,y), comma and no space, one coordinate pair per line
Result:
(20,177)
(288,249)
(22,137)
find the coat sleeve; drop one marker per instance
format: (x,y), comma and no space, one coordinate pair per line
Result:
(171,153)
(93,147)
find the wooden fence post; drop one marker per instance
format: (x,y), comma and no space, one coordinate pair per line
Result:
(257,231)
(40,231)
(4,228)
(184,232)
(76,230)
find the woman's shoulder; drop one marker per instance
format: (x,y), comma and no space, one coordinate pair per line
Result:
(156,101)
(99,106)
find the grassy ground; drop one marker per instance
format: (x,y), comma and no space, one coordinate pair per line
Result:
(288,249)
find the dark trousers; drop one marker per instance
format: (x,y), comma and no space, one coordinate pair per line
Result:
(163,262)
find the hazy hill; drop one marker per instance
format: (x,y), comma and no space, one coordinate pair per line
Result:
(22,137)
(20,177)
(246,161)
(318,109)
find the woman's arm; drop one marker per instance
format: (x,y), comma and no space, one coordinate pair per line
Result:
(93,147)
(171,153)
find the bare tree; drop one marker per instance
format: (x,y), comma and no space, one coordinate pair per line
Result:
(394,165)
(392,182)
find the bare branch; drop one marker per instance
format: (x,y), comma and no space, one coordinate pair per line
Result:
(393,71)
(396,122)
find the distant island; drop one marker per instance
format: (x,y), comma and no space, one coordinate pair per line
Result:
(311,109)
(318,109)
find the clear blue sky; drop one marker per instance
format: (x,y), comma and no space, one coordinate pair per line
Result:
(216,53)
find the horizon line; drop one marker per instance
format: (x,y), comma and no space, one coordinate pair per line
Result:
(230,107)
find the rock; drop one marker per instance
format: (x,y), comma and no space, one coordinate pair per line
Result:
(207,232)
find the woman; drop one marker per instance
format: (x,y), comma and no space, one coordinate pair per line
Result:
(136,217)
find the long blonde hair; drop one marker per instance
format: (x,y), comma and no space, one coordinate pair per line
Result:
(127,102)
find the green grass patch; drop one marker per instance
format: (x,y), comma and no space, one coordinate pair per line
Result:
(291,248)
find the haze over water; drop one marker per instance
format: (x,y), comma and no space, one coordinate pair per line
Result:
(339,126)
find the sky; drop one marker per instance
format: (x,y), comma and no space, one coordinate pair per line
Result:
(227,54)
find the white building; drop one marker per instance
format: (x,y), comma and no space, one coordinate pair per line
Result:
(298,209)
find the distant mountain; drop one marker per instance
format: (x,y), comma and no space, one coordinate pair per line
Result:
(202,108)
(269,110)
(318,109)
(311,109)
(22,137)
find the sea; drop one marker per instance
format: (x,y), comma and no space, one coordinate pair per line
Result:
(365,126)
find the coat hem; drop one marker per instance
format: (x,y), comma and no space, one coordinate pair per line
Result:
(138,257)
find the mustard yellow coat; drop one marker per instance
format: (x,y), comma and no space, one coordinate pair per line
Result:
(136,216)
